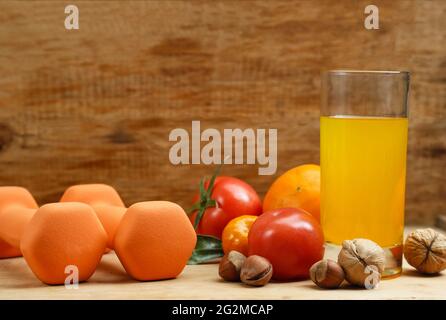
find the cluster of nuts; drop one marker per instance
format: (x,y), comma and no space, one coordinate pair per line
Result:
(253,270)
(360,262)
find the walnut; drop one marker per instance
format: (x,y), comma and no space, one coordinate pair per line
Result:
(425,250)
(363,262)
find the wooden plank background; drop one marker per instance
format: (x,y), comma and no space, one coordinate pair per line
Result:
(97,104)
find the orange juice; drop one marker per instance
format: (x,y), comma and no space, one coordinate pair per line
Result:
(363,170)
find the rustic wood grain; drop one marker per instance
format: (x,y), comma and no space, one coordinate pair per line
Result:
(97,104)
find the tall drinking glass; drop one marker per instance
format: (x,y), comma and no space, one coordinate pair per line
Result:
(363,159)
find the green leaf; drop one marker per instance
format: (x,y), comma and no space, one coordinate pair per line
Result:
(207,249)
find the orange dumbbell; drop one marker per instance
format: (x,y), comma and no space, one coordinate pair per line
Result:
(52,237)
(153,239)
(104,200)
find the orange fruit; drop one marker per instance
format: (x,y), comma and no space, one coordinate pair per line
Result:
(235,234)
(296,188)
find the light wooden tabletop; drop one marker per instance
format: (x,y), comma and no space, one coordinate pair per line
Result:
(202,282)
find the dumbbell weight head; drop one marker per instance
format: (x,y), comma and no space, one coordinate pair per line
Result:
(154,240)
(62,235)
(93,194)
(8,251)
(12,197)
(16,196)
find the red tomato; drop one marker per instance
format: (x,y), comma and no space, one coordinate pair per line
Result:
(234,198)
(290,238)
(212,223)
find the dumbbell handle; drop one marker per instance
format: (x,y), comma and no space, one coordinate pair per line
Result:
(110,217)
(13,220)
(105,201)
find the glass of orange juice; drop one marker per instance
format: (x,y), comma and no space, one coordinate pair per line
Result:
(363,136)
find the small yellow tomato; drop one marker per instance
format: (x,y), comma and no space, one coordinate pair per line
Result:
(235,234)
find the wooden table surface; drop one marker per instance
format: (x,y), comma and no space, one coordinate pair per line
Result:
(202,282)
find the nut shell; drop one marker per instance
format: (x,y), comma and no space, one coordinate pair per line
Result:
(360,259)
(327,274)
(256,271)
(231,266)
(425,250)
